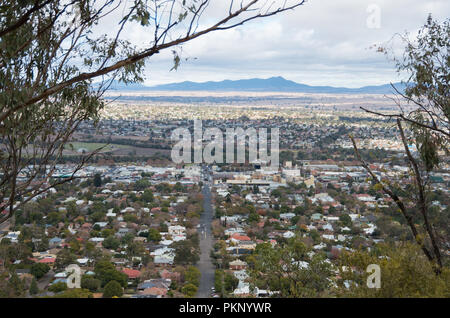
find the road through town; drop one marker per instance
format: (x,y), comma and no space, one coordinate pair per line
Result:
(206,244)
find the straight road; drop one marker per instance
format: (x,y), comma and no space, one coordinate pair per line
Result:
(5,225)
(206,244)
(45,280)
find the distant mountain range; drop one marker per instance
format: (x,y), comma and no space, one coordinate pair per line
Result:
(273,84)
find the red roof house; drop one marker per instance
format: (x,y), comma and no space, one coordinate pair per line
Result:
(239,237)
(131,273)
(47,260)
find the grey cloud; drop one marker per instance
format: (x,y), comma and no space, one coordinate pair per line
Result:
(324,42)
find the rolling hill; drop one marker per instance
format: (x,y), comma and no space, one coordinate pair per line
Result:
(273,84)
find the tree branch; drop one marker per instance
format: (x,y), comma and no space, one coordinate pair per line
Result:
(396,200)
(421,198)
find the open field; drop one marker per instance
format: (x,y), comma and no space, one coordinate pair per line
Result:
(112,149)
(77,147)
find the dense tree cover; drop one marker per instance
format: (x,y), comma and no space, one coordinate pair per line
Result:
(218,281)
(90,283)
(34,289)
(58,287)
(111,243)
(192,275)
(38,270)
(186,252)
(74,293)
(154,235)
(64,258)
(97,180)
(405,272)
(189,290)
(135,249)
(106,272)
(344,154)
(346,220)
(281,269)
(15,287)
(224,282)
(11,252)
(147,196)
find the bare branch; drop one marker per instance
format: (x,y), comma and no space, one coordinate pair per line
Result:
(397,200)
(421,197)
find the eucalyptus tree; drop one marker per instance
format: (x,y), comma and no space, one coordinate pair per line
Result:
(51,52)
(290,269)
(423,120)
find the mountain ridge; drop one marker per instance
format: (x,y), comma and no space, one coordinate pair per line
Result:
(272,84)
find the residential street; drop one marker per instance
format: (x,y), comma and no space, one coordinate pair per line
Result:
(206,244)
(5,226)
(45,280)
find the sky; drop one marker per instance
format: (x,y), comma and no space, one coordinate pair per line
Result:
(323,42)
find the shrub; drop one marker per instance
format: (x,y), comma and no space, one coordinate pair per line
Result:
(112,289)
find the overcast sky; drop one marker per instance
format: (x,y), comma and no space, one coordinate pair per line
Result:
(324,42)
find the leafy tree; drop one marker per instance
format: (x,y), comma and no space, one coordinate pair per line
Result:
(72,210)
(300,210)
(131,218)
(218,280)
(142,184)
(53,217)
(178,187)
(346,220)
(97,180)
(38,270)
(163,227)
(276,193)
(315,236)
(113,289)
(111,243)
(90,283)
(189,290)
(185,253)
(106,272)
(154,235)
(192,275)
(58,287)
(33,287)
(135,249)
(253,217)
(230,282)
(15,285)
(147,196)
(282,268)
(427,63)
(64,258)
(405,272)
